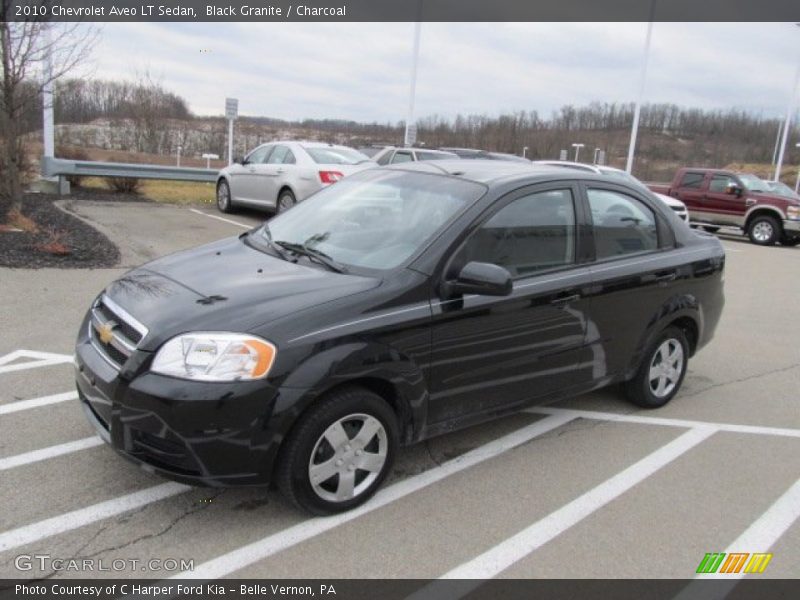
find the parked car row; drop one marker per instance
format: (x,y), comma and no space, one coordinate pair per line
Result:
(277,175)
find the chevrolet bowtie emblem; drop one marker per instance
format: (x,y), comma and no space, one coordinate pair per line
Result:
(106,332)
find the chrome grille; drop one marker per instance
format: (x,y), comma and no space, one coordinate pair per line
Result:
(113,332)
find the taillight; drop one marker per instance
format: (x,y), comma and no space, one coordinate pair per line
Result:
(330,176)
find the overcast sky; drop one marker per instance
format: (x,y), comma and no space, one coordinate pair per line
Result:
(361,71)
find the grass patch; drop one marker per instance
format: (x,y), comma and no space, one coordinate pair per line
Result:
(158,190)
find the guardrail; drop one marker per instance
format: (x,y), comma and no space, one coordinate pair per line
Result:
(63,167)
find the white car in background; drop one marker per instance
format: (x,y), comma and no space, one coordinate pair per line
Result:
(676,205)
(277,175)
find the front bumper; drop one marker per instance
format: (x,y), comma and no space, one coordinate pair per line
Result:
(791,227)
(215,434)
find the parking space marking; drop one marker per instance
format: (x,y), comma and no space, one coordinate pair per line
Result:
(40,530)
(50,452)
(200,212)
(19,405)
(246,555)
(40,359)
(683,423)
(499,558)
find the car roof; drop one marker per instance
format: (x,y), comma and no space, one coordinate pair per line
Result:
(487,171)
(566,164)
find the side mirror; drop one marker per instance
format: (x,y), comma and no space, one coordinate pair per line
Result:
(733,189)
(480,278)
(239,160)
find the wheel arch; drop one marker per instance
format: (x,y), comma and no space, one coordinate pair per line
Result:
(684,313)
(763,211)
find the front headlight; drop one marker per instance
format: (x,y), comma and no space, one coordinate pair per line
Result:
(210,356)
(793,213)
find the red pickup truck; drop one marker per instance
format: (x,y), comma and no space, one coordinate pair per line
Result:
(717,198)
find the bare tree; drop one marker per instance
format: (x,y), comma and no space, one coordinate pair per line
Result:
(24,51)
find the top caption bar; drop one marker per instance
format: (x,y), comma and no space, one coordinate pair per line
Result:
(401,10)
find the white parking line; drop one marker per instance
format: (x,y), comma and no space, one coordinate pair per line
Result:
(40,359)
(238,559)
(501,557)
(682,423)
(85,516)
(759,537)
(50,452)
(200,212)
(19,405)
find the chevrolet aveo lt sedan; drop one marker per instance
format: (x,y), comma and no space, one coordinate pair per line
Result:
(278,175)
(401,303)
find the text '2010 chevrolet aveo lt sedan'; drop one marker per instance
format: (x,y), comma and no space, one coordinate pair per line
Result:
(398,304)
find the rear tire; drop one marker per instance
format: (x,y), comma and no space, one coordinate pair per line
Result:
(662,370)
(285,201)
(339,452)
(224,202)
(764,230)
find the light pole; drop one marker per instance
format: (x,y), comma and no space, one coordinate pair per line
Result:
(788,122)
(596,152)
(797,181)
(577,150)
(643,78)
(179,154)
(411,127)
(525,152)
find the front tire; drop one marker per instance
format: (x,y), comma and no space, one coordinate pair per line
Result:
(662,371)
(764,230)
(224,203)
(339,452)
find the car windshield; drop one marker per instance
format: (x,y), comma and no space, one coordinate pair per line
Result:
(753,183)
(335,155)
(375,219)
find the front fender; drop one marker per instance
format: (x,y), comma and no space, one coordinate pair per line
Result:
(368,363)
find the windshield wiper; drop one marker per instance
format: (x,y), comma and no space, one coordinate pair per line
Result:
(313,254)
(274,246)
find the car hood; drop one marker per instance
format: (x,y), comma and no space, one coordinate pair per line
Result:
(224,286)
(772,197)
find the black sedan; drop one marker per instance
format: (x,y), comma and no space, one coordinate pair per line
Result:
(398,304)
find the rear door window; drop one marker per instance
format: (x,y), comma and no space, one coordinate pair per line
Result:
(692,180)
(622,224)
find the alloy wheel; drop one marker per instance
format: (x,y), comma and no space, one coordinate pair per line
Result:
(666,368)
(348,457)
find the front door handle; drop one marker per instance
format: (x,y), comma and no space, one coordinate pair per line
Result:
(281,171)
(565,299)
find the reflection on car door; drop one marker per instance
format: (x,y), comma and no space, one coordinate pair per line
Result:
(245,183)
(279,170)
(490,352)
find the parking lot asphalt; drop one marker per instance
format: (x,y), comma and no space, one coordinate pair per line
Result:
(586,487)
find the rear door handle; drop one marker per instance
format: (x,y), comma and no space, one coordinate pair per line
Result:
(281,171)
(566,299)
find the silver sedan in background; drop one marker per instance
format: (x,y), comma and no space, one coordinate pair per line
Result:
(277,175)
